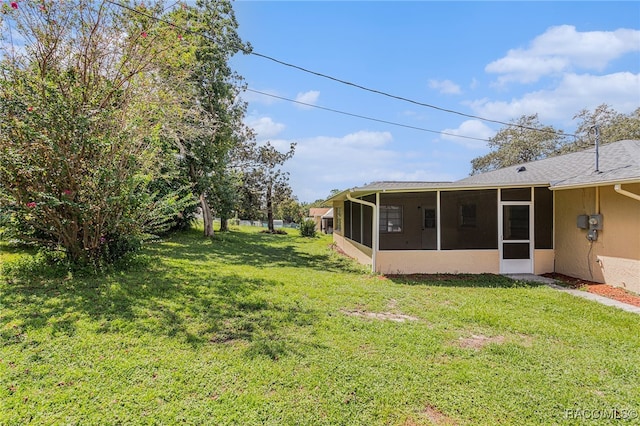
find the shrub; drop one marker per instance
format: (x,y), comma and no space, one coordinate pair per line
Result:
(308,228)
(80,145)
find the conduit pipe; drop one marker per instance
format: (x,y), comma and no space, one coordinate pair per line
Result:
(374,235)
(619,190)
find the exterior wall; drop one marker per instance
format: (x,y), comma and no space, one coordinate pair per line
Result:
(433,262)
(543,261)
(318,221)
(615,257)
(352,249)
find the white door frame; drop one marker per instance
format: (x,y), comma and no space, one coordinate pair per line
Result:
(515,266)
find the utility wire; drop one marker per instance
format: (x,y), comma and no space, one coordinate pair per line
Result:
(379,92)
(365,117)
(348,83)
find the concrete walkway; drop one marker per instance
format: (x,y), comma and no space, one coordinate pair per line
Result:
(580,293)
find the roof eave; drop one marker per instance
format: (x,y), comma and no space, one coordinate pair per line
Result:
(594,184)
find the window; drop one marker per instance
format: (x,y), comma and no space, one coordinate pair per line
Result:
(467,215)
(338,219)
(429,218)
(390,218)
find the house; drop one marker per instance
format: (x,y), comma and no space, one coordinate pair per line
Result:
(323,217)
(577,214)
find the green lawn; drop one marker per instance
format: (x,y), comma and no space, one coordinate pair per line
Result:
(253,328)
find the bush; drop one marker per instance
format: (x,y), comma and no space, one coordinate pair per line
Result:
(308,228)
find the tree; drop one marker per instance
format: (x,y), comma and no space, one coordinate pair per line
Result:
(291,210)
(79,141)
(250,193)
(208,124)
(612,126)
(322,202)
(522,141)
(267,179)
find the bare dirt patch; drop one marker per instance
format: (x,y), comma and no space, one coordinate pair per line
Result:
(435,417)
(615,293)
(479,341)
(389,316)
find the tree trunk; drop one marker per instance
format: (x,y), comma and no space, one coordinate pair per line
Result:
(207,217)
(269,209)
(223,223)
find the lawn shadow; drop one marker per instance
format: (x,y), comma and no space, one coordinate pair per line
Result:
(461,280)
(254,249)
(156,300)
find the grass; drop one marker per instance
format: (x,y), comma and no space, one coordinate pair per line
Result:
(252,328)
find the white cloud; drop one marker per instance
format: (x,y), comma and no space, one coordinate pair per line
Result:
(573,93)
(563,49)
(310,97)
(447,87)
(324,163)
(265,127)
(471,128)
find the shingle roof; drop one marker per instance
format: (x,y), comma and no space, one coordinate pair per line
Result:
(619,162)
(318,211)
(399,186)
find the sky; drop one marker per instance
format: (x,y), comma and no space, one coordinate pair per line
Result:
(495,60)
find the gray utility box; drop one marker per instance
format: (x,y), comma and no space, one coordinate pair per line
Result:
(583,221)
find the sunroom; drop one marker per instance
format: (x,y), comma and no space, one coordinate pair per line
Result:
(421,227)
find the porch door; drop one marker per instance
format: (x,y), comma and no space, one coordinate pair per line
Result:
(516,248)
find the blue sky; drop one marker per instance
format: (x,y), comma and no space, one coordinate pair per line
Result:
(497,60)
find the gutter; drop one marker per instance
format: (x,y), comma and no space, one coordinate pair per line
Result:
(557,186)
(374,235)
(619,190)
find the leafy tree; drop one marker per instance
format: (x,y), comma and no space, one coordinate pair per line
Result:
(291,210)
(322,202)
(79,141)
(612,126)
(265,182)
(250,193)
(207,125)
(522,141)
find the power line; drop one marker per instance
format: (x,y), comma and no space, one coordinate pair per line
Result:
(345,82)
(379,92)
(365,117)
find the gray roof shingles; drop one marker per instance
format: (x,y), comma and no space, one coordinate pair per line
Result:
(618,162)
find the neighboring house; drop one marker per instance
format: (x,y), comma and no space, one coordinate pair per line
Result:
(323,217)
(560,214)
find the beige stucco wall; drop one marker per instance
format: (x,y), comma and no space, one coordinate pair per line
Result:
(543,261)
(433,262)
(615,257)
(352,249)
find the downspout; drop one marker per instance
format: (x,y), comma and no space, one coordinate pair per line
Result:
(374,238)
(619,190)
